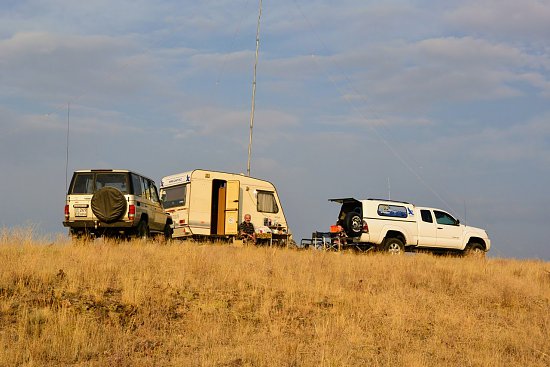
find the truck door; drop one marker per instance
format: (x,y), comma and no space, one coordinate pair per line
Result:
(232,207)
(427,234)
(449,232)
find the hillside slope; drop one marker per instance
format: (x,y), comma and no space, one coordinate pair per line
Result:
(150,304)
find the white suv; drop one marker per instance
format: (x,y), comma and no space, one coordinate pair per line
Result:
(114,203)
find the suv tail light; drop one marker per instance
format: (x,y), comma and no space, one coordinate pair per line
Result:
(131,212)
(66,212)
(365,227)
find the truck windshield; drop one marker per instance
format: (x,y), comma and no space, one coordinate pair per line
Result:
(174,196)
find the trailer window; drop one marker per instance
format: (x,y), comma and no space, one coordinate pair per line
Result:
(174,196)
(267,202)
(386,210)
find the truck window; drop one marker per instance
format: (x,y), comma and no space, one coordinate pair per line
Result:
(266,202)
(426,216)
(397,211)
(174,196)
(444,218)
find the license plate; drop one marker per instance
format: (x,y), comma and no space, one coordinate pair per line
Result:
(80,212)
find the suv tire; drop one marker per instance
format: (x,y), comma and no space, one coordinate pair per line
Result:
(168,232)
(108,204)
(353,224)
(142,230)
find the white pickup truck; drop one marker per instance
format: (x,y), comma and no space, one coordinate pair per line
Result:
(396,226)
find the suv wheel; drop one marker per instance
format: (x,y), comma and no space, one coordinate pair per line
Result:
(108,204)
(353,224)
(142,230)
(168,231)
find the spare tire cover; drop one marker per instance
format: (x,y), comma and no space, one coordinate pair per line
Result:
(108,204)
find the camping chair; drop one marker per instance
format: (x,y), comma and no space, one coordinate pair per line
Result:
(323,241)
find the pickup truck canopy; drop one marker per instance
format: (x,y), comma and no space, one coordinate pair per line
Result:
(344,200)
(352,200)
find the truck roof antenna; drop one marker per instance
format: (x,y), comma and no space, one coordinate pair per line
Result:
(254,89)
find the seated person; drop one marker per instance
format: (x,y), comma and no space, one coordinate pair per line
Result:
(246,230)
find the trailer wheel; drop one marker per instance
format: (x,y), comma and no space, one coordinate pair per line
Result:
(353,224)
(394,246)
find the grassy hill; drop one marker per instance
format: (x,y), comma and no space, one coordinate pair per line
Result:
(152,304)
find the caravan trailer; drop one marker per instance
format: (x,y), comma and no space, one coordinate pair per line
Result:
(205,203)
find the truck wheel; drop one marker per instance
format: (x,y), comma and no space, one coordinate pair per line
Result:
(474,249)
(394,246)
(108,204)
(142,230)
(353,224)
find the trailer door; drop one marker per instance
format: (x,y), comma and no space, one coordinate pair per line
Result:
(232,207)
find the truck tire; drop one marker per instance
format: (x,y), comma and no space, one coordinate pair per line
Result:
(394,246)
(353,224)
(474,249)
(108,204)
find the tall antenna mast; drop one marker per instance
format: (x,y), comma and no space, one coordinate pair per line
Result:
(67,156)
(254,89)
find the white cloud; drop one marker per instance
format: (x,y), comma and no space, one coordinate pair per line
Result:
(525,20)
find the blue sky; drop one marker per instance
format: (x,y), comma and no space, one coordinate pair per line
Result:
(443,104)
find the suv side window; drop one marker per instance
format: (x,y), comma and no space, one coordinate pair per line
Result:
(154,193)
(145,189)
(136,183)
(149,190)
(426,216)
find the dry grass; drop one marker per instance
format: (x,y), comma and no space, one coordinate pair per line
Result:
(149,304)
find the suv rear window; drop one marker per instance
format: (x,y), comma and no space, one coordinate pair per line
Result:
(90,182)
(83,183)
